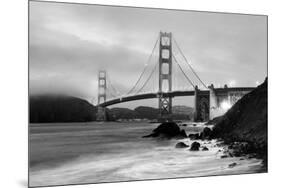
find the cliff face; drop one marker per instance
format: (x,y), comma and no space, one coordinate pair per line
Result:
(246,120)
(52,108)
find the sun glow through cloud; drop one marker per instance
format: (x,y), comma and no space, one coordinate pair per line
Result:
(232,83)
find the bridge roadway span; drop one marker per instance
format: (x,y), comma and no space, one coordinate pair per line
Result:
(170,94)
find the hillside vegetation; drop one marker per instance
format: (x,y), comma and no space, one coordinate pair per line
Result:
(57,108)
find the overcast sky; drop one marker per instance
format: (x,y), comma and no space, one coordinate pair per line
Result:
(69,43)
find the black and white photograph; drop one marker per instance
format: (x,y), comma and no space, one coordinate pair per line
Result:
(119,93)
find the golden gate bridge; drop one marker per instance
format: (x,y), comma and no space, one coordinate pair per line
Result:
(166,74)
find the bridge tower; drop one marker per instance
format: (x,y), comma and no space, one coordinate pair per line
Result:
(101,114)
(202,105)
(165,76)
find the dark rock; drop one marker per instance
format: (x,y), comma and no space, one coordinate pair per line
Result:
(194,136)
(184,125)
(195,146)
(205,148)
(236,154)
(194,125)
(181,145)
(214,121)
(168,130)
(206,133)
(224,156)
(183,134)
(232,165)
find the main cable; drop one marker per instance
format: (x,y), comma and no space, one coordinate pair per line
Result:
(189,64)
(154,68)
(146,66)
(183,71)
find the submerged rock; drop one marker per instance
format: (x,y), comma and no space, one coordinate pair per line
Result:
(224,156)
(205,148)
(195,146)
(194,136)
(181,145)
(232,165)
(168,130)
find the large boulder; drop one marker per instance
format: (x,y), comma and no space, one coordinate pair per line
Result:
(168,130)
(181,145)
(206,133)
(232,165)
(195,146)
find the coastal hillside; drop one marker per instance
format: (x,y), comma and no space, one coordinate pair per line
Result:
(146,112)
(179,112)
(181,109)
(246,120)
(121,113)
(55,108)
(59,108)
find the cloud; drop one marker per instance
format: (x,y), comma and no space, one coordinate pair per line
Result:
(69,43)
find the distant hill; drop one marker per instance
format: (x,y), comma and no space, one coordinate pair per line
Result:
(180,109)
(57,108)
(121,113)
(181,112)
(147,112)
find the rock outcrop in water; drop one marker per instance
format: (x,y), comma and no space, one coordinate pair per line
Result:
(195,146)
(167,130)
(181,145)
(206,134)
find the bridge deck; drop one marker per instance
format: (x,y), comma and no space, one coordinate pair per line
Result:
(171,94)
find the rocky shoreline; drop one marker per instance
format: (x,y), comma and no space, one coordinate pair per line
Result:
(202,142)
(241,131)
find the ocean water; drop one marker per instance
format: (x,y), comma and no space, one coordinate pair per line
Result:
(74,153)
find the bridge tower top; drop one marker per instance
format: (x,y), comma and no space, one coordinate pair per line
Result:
(101,86)
(165,76)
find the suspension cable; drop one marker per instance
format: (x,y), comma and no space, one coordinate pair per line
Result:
(189,64)
(183,71)
(154,68)
(110,84)
(146,66)
(111,94)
